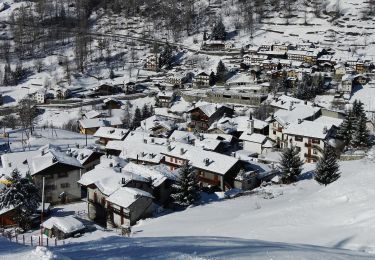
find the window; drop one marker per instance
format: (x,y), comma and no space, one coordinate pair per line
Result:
(64,185)
(274,132)
(48,177)
(62,174)
(298,138)
(298,148)
(315,141)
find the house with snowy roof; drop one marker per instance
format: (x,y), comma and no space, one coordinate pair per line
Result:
(62,227)
(127,205)
(90,126)
(280,120)
(346,85)
(254,142)
(106,134)
(88,157)
(201,80)
(237,125)
(202,117)
(60,170)
(91,114)
(310,137)
(213,169)
(165,98)
(207,141)
(120,193)
(158,126)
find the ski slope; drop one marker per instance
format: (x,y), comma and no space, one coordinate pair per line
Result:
(340,215)
(178,248)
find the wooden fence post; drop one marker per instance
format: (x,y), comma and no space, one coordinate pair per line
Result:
(16,238)
(31,240)
(39,241)
(55,242)
(47,241)
(23,239)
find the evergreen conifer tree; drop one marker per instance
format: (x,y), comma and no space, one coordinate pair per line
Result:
(345,131)
(221,72)
(290,164)
(212,79)
(166,57)
(137,118)
(186,190)
(22,195)
(145,112)
(327,170)
(360,136)
(218,32)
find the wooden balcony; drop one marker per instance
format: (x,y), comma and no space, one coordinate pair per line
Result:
(209,181)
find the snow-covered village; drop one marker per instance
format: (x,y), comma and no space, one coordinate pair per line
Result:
(187,129)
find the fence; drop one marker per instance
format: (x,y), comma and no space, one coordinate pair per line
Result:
(30,240)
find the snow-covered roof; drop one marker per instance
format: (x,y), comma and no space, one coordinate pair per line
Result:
(91,114)
(156,174)
(125,196)
(67,224)
(309,129)
(108,177)
(240,124)
(51,156)
(285,101)
(111,133)
(240,78)
(285,117)
(208,109)
(82,154)
(202,159)
(253,137)
(329,121)
(156,121)
(98,122)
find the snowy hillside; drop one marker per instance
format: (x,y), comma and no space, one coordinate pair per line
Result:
(339,215)
(180,248)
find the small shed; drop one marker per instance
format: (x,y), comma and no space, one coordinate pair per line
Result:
(62,227)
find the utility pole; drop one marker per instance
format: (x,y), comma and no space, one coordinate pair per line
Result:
(41,215)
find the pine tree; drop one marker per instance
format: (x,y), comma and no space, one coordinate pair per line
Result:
(152,111)
(212,79)
(290,165)
(327,170)
(345,131)
(218,32)
(221,72)
(145,112)
(166,57)
(22,195)
(360,136)
(137,118)
(186,190)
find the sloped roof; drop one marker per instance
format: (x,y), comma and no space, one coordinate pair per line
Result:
(202,159)
(67,224)
(111,133)
(125,196)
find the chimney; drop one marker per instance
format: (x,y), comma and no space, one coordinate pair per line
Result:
(291,107)
(207,161)
(325,130)
(300,121)
(182,151)
(123,181)
(251,124)
(145,141)
(81,156)
(42,152)
(110,164)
